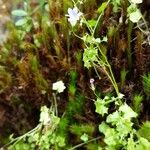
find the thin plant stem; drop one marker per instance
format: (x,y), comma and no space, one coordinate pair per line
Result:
(96,72)
(16,140)
(81,144)
(147,29)
(112,79)
(145,23)
(55,104)
(111,76)
(77,35)
(87,24)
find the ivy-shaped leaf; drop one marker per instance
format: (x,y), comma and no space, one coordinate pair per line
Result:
(134,13)
(89,56)
(113,118)
(100,107)
(110,134)
(128,113)
(135,16)
(84,137)
(131,144)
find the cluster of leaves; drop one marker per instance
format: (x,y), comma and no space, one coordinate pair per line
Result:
(118,128)
(41,137)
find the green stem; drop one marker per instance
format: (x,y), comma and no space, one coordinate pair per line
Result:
(16,140)
(77,35)
(85,21)
(145,24)
(112,79)
(111,75)
(87,24)
(110,101)
(96,71)
(55,104)
(81,144)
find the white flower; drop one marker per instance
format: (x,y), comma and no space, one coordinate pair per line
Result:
(74,15)
(58,86)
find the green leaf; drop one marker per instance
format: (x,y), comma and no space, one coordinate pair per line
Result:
(89,56)
(144,131)
(105,39)
(124,127)
(131,8)
(110,134)
(84,137)
(102,7)
(100,107)
(103,127)
(144,144)
(110,137)
(100,148)
(61,141)
(19,13)
(21,22)
(92,22)
(128,113)
(113,118)
(130,144)
(135,16)
(116,5)
(136,1)
(134,13)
